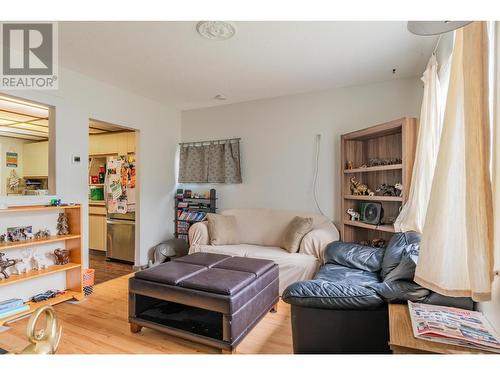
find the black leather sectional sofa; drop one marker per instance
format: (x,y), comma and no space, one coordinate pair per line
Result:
(344,309)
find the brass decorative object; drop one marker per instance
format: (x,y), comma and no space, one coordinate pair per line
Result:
(43,341)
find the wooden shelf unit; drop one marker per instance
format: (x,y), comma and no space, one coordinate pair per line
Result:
(394,139)
(72,242)
(181,225)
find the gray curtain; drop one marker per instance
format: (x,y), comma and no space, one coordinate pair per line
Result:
(217,162)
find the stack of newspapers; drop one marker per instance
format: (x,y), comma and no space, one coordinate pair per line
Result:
(450,325)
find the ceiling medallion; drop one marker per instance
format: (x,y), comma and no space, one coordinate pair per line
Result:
(216,30)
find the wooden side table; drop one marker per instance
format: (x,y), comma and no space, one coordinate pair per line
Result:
(402,341)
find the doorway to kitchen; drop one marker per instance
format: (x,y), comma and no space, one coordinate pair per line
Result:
(112,191)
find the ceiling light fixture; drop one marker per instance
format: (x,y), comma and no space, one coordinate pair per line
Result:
(434,27)
(216,30)
(220,97)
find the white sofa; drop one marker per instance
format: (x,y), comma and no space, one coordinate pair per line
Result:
(261,231)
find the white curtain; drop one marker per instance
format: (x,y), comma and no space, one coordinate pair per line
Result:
(412,216)
(456,249)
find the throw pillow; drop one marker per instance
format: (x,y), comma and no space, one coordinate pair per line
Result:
(223,230)
(295,231)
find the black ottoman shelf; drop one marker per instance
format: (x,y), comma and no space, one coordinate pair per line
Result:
(211,299)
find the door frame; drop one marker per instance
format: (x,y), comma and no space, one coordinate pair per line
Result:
(137,132)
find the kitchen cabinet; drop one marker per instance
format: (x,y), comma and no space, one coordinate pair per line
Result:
(113,143)
(36,159)
(97,227)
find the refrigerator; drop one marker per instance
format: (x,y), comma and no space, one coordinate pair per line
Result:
(119,193)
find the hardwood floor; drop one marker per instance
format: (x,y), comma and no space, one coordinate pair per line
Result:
(99,325)
(105,271)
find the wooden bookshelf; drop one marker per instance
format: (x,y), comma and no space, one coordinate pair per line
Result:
(394,139)
(72,270)
(206,205)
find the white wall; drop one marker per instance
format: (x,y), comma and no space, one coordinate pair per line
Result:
(278,135)
(80,98)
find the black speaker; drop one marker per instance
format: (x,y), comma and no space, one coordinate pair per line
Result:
(371,213)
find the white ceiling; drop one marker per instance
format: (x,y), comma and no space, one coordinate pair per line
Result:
(169,62)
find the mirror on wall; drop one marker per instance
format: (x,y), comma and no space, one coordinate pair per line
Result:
(24,148)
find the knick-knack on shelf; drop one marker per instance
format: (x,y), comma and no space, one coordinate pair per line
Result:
(354,215)
(62,224)
(6,263)
(42,234)
(38,262)
(358,188)
(62,256)
(20,267)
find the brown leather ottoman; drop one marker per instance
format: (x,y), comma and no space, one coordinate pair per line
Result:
(207,298)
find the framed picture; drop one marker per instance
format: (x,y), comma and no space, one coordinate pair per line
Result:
(11,159)
(19,233)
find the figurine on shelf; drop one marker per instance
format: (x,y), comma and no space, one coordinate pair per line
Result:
(38,263)
(354,215)
(62,256)
(378,242)
(399,189)
(6,263)
(62,224)
(349,165)
(20,267)
(42,234)
(375,162)
(387,190)
(358,188)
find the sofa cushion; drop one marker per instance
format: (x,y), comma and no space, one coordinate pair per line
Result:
(265,226)
(405,270)
(294,232)
(395,248)
(328,295)
(222,230)
(336,273)
(354,256)
(400,291)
